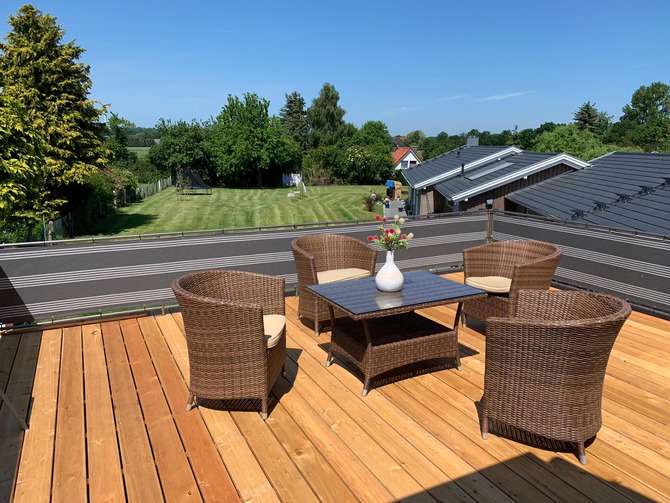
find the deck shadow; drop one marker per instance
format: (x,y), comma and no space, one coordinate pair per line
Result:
(254,405)
(576,479)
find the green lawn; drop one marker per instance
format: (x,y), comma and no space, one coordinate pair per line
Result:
(226,208)
(140,151)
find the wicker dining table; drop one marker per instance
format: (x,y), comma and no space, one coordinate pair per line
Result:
(382,331)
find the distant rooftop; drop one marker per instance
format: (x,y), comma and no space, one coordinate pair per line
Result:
(620,190)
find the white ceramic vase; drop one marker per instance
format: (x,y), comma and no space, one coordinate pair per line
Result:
(389,278)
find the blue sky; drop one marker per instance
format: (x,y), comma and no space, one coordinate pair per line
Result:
(429,65)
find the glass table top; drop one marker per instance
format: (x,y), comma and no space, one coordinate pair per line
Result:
(360,296)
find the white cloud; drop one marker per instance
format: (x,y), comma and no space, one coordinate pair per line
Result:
(401,110)
(450,98)
(505,96)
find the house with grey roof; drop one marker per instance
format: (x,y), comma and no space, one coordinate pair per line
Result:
(465,178)
(621,190)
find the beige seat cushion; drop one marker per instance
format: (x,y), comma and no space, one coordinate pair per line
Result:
(341,274)
(273,325)
(493,284)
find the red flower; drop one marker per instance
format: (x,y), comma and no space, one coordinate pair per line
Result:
(383,219)
(404,236)
(379,217)
(389,231)
(387,239)
(370,238)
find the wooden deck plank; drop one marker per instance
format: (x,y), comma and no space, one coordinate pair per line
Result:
(609,473)
(174,470)
(414,398)
(69,477)
(346,462)
(449,461)
(210,472)
(9,345)
(391,438)
(568,467)
(570,484)
(18,390)
(317,472)
(324,441)
(139,470)
(277,464)
(371,452)
(251,482)
(104,461)
(33,480)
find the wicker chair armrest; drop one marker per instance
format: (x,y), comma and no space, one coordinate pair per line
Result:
(268,292)
(536,274)
(482,260)
(346,252)
(305,266)
(567,308)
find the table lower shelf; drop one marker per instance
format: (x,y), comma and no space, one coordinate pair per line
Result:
(396,341)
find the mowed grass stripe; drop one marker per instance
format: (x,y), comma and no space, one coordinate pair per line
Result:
(228,208)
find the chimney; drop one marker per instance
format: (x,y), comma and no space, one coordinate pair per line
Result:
(462,169)
(472,141)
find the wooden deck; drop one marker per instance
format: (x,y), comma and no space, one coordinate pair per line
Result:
(108,423)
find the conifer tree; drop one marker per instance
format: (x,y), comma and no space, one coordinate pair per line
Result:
(326,118)
(43,74)
(294,119)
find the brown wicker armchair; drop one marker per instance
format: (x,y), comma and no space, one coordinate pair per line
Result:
(324,258)
(545,366)
(235,332)
(504,268)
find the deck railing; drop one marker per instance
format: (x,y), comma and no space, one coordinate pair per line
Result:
(93,277)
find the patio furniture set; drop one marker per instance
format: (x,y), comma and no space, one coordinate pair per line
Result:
(546,351)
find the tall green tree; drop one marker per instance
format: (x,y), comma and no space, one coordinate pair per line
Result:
(646,120)
(21,163)
(42,73)
(647,103)
(326,118)
(571,140)
(413,138)
(586,117)
(248,144)
(240,134)
(590,119)
(182,146)
(369,158)
(117,142)
(373,133)
(293,119)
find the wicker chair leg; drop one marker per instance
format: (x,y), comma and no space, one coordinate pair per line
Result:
(485,427)
(264,409)
(316,327)
(191,402)
(283,370)
(464,320)
(366,386)
(329,358)
(582,453)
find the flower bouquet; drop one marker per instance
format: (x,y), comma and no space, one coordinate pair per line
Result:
(389,278)
(391,237)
